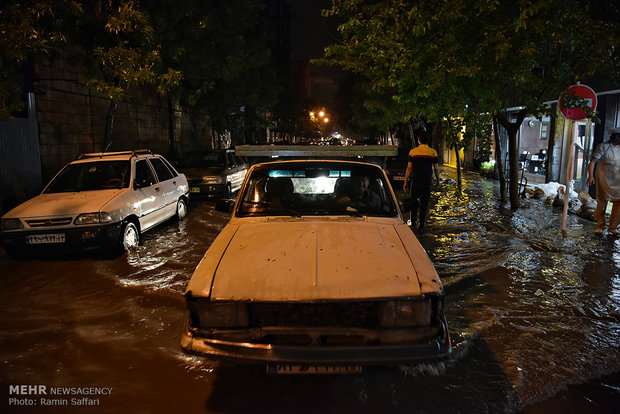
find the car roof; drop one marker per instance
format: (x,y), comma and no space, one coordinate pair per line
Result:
(306,162)
(113,156)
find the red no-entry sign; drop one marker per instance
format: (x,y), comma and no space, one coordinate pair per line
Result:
(582,91)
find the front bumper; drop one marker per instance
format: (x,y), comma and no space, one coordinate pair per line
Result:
(208,189)
(436,349)
(74,238)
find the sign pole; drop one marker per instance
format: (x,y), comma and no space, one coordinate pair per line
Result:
(574,111)
(569,174)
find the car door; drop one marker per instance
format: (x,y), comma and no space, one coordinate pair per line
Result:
(236,172)
(169,188)
(148,194)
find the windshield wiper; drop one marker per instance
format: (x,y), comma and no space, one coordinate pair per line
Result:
(353,212)
(271,209)
(291,212)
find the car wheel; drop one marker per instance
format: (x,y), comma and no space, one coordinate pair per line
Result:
(181,209)
(130,237)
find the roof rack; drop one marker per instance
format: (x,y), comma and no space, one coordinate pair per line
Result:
(111,154)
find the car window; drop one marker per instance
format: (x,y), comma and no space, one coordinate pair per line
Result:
(170,167)
(89,176)
(163,173)
(144,175)
(311,189)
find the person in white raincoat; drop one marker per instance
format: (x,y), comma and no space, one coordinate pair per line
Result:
(606,160)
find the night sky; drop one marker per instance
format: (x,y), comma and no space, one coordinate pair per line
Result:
(310,32)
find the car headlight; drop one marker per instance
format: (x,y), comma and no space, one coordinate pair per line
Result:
(12,224)
(212,180)
(92,218)
(402,313)
(208,315)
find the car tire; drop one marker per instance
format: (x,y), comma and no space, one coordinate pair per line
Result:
(181,209)
(130,236)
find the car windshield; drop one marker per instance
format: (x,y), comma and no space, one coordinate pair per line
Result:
(205,160)
(97,175)
(297,189)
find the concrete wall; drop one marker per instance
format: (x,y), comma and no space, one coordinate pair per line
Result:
(72,120)
(20,169)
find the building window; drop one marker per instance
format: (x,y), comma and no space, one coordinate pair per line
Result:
(544,130)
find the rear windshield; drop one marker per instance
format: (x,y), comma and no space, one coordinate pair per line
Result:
(97,175)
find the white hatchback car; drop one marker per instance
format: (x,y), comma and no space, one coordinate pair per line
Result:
(100,199)
(316,272)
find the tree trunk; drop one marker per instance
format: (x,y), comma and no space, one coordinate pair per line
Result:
(499,163)
(109,124)
(412,136)
(513,154)
(459,178)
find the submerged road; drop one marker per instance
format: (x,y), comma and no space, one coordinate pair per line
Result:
(534,318)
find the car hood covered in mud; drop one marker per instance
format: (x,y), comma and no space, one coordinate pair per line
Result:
(305,260)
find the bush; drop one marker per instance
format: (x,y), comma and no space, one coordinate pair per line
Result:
(487,169)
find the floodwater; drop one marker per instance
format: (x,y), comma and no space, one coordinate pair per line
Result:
(534,317)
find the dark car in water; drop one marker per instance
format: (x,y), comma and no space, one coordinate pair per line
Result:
(213,173)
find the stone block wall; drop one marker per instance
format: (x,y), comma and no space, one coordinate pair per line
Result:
(72,120)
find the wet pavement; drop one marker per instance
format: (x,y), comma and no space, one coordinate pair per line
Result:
(534,316)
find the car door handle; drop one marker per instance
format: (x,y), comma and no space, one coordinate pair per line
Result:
(156,188)
(174,182)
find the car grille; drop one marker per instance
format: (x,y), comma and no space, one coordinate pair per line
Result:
(350,314)
(52,222)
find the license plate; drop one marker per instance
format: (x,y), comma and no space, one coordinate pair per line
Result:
(45,238)
(398,178)
(285,369)
(194,190)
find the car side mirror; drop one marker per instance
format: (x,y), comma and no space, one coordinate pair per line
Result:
(225,205)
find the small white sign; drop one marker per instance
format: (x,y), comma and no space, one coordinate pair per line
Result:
(45,238)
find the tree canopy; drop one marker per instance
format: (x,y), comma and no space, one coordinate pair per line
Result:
(210,56)
(443,58)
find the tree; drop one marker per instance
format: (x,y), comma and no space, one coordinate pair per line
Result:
(118,45)
(221,49)
(27,30)
(443,56)
(212,57)
(459,134)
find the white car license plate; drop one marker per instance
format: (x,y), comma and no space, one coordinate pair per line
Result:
(313,369)
(194,190)
(399,178)
(45,238)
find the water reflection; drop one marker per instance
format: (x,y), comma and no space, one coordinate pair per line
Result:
(548,304)
(530,310)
